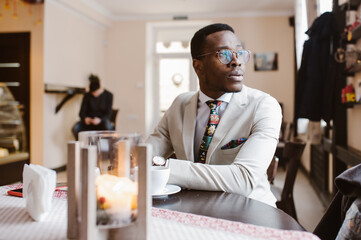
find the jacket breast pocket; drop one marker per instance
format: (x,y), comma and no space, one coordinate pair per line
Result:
(232,151)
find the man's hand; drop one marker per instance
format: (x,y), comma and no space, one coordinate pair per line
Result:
(88,120)
(96,121)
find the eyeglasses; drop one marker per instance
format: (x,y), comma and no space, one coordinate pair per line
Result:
(225,56)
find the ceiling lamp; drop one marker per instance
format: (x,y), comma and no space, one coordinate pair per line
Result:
(33,1)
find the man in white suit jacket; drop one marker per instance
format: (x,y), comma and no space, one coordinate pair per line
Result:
(246,137)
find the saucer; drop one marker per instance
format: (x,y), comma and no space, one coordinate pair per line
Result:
(168,190)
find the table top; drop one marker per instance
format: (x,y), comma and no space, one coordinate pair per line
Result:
(233,207)
(16,223)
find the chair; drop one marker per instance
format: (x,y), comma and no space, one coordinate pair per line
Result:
(286,131)
(285,135)
(292,153)
(272,169)
(113,117)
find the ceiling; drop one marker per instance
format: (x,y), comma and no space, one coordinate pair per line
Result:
(158,9)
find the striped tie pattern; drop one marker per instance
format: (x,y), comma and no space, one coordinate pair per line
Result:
(210,129)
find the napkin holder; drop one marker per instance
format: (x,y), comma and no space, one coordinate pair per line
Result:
(38,189)
(82,201)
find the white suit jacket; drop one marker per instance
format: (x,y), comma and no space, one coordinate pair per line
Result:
(250,114)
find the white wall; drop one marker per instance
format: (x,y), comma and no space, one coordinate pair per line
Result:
(269,34)
(126,70)
(74,47)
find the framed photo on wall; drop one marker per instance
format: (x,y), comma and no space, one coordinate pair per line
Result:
(267,61)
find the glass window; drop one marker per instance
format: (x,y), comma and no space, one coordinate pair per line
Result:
(301,28)
(325,6)
(173,80)
(173,47)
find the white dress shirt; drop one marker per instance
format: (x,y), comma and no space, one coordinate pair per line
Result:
(203,112)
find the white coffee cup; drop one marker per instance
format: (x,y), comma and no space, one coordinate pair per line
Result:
(160,176)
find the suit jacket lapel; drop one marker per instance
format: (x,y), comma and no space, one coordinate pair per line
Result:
(189,124)
(237,104)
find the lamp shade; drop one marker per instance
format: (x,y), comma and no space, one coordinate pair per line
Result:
(34,1)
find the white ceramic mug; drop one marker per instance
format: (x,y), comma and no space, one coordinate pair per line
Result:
(160,176)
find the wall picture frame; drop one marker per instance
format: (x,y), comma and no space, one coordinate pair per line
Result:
(266,61)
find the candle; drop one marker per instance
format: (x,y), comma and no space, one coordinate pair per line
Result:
(116,200)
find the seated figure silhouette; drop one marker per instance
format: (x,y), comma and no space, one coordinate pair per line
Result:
(96,109)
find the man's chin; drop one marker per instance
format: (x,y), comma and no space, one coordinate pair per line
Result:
(233,89)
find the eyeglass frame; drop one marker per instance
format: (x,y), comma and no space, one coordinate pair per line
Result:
(205,54)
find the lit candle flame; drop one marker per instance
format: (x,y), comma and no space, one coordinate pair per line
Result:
(117,192)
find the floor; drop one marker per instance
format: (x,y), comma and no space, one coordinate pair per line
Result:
(309,207)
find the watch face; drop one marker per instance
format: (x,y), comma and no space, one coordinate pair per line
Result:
(159,161)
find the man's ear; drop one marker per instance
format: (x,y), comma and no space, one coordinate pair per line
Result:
(198,66)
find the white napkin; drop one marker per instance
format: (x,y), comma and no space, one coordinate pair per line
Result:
(38,189)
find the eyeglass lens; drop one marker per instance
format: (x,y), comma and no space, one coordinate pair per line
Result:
(225,56)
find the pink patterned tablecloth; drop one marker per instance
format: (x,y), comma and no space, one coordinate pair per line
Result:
(15,223)
(249,230)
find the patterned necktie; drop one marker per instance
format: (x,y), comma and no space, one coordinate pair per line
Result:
(210,129)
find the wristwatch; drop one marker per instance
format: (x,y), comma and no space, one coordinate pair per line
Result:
(159,161)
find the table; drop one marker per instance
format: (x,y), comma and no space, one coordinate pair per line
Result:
(182,223)
(233,207)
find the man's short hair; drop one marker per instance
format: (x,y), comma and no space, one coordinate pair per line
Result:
(94,83)
(198,40)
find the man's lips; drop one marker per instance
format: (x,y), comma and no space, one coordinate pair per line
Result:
(236,75)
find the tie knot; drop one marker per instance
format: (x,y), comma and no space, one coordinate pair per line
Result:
(213,104)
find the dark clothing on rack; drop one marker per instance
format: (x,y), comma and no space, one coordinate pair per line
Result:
(315,81)
(349,189)
(91,106)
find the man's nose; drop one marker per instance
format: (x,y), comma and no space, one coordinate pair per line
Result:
(235,61)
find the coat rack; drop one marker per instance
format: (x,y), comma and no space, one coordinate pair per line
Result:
(69,91)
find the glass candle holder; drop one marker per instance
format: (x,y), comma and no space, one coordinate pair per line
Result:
(116,178)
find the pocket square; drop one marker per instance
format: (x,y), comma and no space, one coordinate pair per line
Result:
(233,143)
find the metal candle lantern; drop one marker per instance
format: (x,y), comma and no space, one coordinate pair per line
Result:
(109,194)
